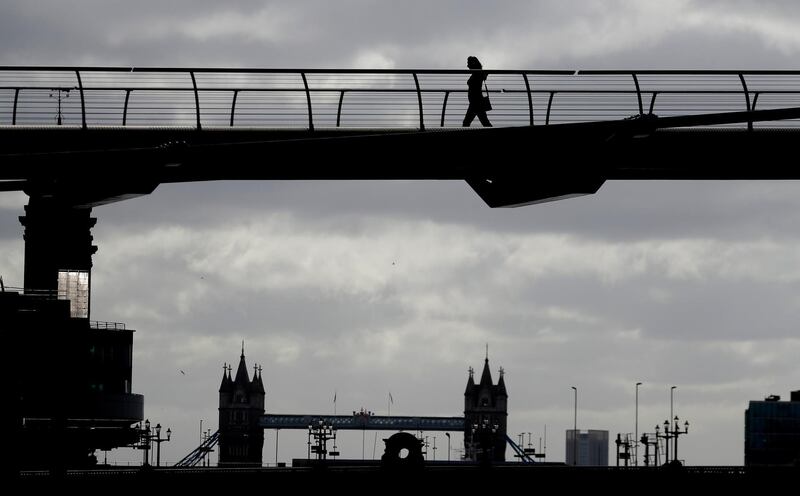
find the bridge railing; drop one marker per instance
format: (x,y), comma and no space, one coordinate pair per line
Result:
(89,97)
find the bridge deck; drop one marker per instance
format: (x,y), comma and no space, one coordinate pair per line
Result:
(557,133)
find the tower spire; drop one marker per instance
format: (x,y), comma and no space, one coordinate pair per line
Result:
(242,348)
(487,352)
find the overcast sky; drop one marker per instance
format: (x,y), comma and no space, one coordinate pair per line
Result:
(366,288)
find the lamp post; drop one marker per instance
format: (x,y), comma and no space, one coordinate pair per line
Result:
(322,433)
(677,432)
(671,390)
(448,445)
(309,441)
(575,430)
(636,433)
(671,414)
(206,449)
(158,440)
(146,437)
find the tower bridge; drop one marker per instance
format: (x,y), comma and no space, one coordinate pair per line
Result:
(242,419)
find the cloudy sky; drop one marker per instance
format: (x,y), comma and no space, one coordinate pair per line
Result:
(366,288)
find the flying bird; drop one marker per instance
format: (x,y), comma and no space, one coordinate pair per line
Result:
(182,372)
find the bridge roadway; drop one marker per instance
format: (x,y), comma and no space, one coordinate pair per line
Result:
(93,135)
(364,422)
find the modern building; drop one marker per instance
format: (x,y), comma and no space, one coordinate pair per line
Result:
(485,417)
(70,377)
(772,431)
(590,448)
(241,405)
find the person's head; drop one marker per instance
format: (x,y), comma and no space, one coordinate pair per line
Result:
(473,62)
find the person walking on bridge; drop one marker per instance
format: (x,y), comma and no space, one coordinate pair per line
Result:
(478,104)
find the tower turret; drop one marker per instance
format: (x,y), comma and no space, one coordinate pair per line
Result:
(241,405)
(485,414)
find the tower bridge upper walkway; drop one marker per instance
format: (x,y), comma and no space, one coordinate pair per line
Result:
(113,132)
(364,422)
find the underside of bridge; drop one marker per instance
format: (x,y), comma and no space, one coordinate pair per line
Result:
(505,166)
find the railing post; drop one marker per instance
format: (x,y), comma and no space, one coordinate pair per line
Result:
(549,106)
(419,99)
(233,105)
(14,113)
(83,101)
(125,108)
(196,100)
(339,111)
(444,106)
(530,98)
(653,102)
(308,99)
(747,100)
(638,93)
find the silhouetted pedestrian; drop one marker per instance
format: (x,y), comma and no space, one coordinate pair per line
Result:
(478,104)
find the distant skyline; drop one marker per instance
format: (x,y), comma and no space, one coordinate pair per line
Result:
(359,289)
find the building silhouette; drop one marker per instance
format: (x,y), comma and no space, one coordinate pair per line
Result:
(591,448)
(241,404)
(69,378)
(772,431)
(485,417)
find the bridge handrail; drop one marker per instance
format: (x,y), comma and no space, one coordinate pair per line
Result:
(550,96)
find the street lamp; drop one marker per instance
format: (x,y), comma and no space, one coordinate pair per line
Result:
(677,432)
(448,445)
(146,441)
(575,430)
(671,390)
(322,433)
(666,443)
(636,434)
(158,440)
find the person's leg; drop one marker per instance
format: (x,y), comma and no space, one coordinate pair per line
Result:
(484,119)
(470,116)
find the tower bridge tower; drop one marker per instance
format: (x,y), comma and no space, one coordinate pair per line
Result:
(241,405)
(485,416)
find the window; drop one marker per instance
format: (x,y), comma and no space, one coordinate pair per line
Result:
(73,285)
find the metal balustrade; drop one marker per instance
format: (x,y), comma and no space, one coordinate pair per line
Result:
(311,99)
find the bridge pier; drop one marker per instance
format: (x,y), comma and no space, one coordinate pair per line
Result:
(58,250)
